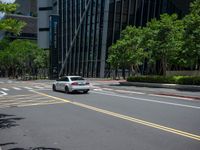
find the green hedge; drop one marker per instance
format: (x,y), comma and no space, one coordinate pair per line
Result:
(185,80)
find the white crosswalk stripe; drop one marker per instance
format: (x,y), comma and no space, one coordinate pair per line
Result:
(5,89)
(29,88)
(2,93)
(21,88)
(38,87)
(16,88)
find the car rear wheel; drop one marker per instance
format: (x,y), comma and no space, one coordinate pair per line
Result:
(66,89)
(85,92)
(54,88)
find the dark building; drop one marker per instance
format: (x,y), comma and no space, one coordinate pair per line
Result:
(29,32)
(26,12)
(87,28)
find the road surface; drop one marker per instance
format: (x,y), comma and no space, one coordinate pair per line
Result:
(33,117)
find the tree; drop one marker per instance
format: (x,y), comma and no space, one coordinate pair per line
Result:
(135,50)
(23,57)
(191,52)
(127,51)
(10,25)
(164,40)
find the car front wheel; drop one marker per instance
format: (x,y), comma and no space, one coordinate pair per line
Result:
(54,88)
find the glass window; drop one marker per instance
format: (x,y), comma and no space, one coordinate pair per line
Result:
(64,79)
(76,78)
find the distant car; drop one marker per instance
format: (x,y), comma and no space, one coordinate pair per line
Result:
(71,84)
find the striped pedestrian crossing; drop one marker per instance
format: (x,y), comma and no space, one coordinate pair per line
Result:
(26,100)
(38,87)
(5,89)
(28,88)
(16,88)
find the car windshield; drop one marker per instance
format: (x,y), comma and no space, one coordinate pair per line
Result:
(76,78)
(65,79)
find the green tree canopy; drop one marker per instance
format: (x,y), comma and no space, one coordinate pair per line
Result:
(10,25)
(164,40)
(191,51)
(7,7)
(23,56)
(127,52)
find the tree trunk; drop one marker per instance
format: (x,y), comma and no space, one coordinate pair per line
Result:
(123,73)
(133,70)
(164,66)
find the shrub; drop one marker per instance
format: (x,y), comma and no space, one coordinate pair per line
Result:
(185,80)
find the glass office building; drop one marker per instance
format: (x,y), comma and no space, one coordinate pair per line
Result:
(88,27)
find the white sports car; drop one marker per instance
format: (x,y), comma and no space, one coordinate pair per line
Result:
(70,84)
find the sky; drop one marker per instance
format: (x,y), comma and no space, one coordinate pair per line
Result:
(7,1)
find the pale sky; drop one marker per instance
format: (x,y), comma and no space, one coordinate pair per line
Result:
(7,1)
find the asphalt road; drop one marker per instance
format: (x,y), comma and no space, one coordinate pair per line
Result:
(32,117)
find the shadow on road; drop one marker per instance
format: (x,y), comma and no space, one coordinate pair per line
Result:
(8,121)
(5,144)
(37,148)
(31,148)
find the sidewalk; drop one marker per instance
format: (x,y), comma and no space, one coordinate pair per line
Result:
(182,91)
(158,85)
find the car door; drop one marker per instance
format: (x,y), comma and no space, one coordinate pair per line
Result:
(63,83)
(57,84)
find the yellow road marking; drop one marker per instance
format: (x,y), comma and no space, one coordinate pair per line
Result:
(33,104)
(13,96)
(128,118)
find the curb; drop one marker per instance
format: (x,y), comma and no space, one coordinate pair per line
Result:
(157,85)
(180,96)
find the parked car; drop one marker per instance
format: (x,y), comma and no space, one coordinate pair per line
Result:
(71,84)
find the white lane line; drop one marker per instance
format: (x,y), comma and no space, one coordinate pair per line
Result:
(109,89)
(97,89)
(130,92)
(171,97)
(29,88)
(103,91)
(3,93)
(38,87)
(5,89)
(16,88)
(42,89)
(147,100)
(123,91)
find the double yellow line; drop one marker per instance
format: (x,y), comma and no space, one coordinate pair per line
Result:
(128,118)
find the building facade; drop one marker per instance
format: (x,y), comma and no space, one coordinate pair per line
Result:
(27,13)
(87,28)
(45,8)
